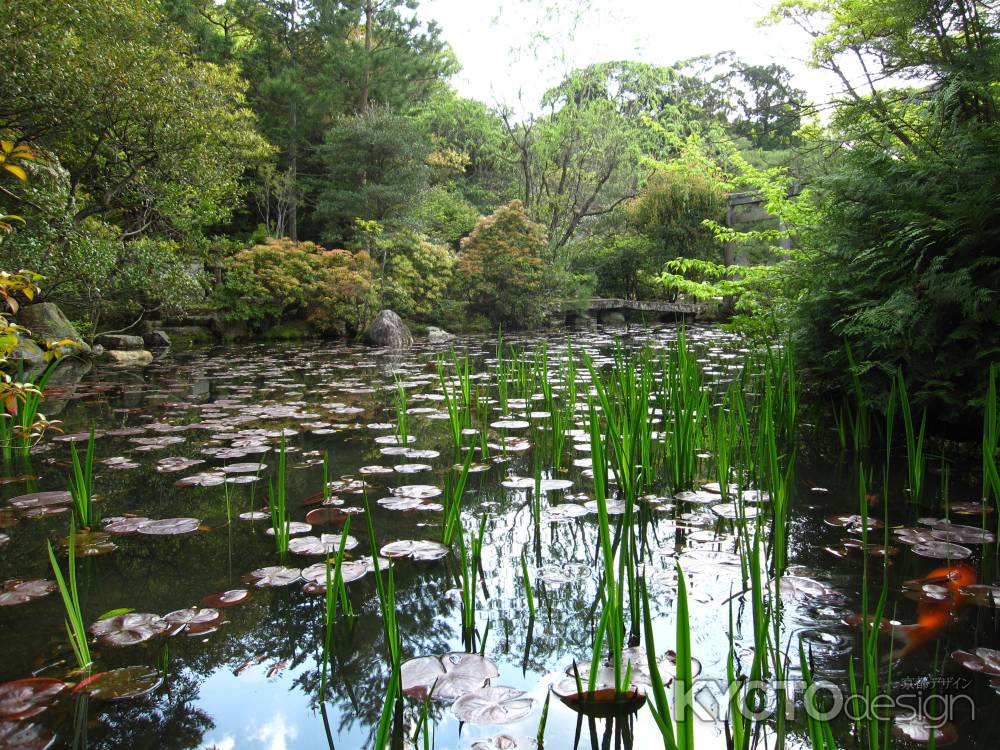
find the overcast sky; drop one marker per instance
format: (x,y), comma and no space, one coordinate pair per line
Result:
(513,50)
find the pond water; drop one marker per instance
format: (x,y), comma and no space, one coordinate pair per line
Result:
(251,678)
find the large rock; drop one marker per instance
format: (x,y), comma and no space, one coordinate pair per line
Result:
(28,354)
(120,342)
(156,339)
(613,318)
(127,358)
(388,330)
(47,323)
(437,335)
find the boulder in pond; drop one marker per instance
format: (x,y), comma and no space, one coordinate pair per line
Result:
(156,339)
(120,342)
(388,330)
(27,353)
(127,358)
(437,335)
(47,323)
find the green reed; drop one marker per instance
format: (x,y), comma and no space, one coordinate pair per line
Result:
(684,403)
(915,460)
(453,405)
(453,491)
(991,441)
(470,558)
(277,504)
(659,705)
(868,727)
(327,493)
(81,484)
(820,732)
(76,628)
(27,412)
(402,420)
(529,593)
(335,592)
(860,418)
(385,588)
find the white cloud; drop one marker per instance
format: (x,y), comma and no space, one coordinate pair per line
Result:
(275,734)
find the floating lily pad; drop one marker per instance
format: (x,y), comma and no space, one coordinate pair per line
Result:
(124,524)
(605,679)
(20,735)
(451,675)
(907,535)
(504,742)
(18,591)
(970,509)
(555,485)
(982,594)
(564,512)
(984,661)
(293,527)
(204,479)
(422,491)
(22,699)
(853,523)
(510,424)
(492,705)
(412,468)
(614,507)
(192,619)
(41,500)
(942,550)
(91,543)
(807,589)
(255,515)
(416,549)
(330,514)
(697,497)
(177,463)
(920,731)
(953,532)
(518,483)
(4,539)
(557,575)
(325,544)
(732,511)
(230,598)
(129,629)
(350,570)
(273,575)
(121,684)
(375,470)
(169,526)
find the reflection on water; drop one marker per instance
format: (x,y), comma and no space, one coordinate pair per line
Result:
(254,682)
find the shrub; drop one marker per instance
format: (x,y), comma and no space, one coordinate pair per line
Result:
(333,290)
(501,272)
(418,274)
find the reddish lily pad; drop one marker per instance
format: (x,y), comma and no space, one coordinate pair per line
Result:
(449,676)
(984,661)
(124,524)
(21,735)
(416,549)
(128,629)
(90,543)
(982,594)
(121,684)
(492,705)
(177,463)
(18,591)
(22,699)
(350,570)
(331,514)
(230,598)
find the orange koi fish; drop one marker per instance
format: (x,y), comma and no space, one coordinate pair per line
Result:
(934,615)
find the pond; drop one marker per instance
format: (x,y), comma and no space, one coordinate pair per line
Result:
(198,435)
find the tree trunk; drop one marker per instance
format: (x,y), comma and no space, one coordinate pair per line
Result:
(367,70)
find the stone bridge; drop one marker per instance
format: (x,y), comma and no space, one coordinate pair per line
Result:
(604,309)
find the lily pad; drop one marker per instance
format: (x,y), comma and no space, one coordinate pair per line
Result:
(510,424)
(450,676)
(124,524)
(984,661)
(41,500)
(230,598)
(493,705)
(325,544)
(422,491)
(557,575)
(350,570)
(942,550)
(121,684)
(192,619)
(982,594)
(129,629)
(169,526)
(18,591)
(22,699)
(273,575)
(21,735)
(416,549)
(293,527)
(255,515)
(920,731)
(331,514)
(564,512)
(177,463)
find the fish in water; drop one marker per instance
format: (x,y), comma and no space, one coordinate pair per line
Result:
(934,613)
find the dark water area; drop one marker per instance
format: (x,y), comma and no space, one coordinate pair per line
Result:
(254,681)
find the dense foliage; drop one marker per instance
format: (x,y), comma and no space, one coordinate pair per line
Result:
(194,159)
